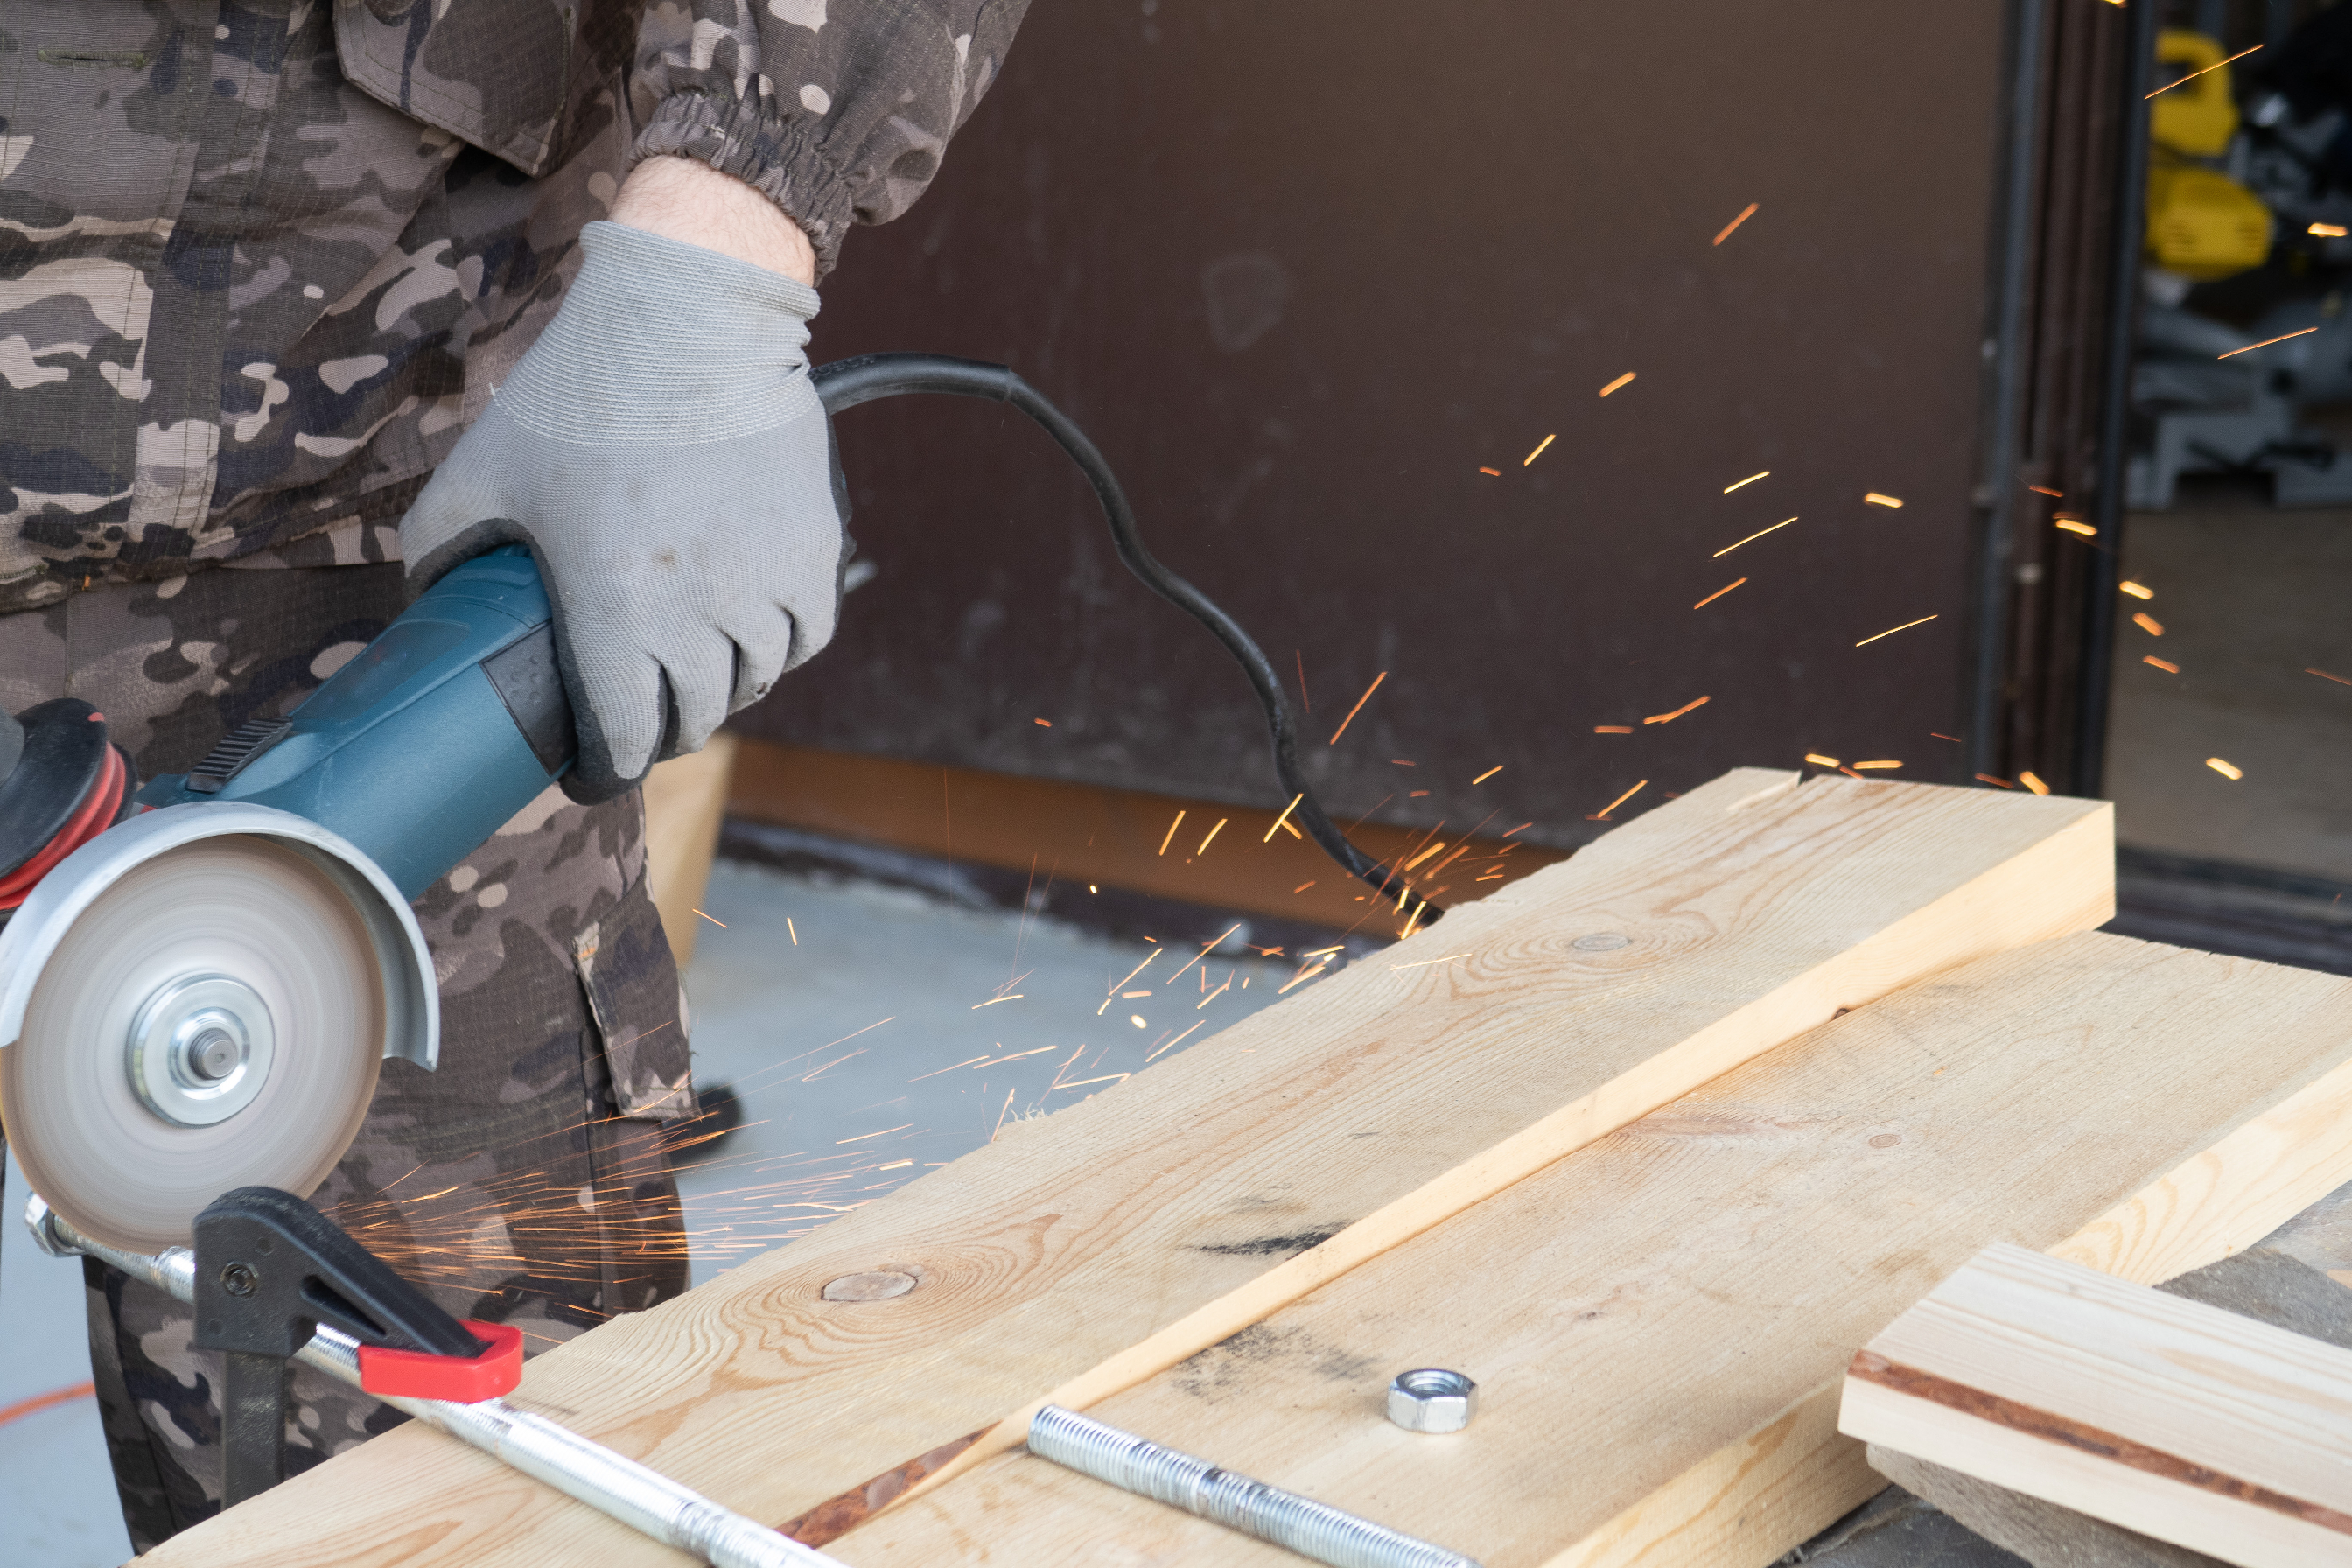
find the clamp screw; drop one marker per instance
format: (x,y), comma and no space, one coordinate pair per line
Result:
(240,1279)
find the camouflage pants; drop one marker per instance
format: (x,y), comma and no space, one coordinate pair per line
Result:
(525,1181)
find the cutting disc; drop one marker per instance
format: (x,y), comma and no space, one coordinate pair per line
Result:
(214,1018)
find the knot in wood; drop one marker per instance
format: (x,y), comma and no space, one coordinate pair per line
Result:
(1602,941)
(875,1285)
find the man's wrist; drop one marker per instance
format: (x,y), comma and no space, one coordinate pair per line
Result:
(686,199)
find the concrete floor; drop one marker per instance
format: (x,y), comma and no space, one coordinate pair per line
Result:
(871,1033)
(2250,597)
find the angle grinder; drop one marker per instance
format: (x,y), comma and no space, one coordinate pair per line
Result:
(199,982)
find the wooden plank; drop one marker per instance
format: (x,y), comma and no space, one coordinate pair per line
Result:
(1659,1322)
(685,799)
(2183,1421)
(1130,839)
(1089,1251)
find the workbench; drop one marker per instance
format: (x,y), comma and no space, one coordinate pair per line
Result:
(1648,1143)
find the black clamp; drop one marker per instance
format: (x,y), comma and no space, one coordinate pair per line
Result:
(269,1270)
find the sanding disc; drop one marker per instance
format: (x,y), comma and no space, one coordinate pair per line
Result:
(214,1018)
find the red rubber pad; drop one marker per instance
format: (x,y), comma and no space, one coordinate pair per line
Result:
(417,1375)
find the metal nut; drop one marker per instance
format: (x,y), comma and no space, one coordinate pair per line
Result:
(1431,1398)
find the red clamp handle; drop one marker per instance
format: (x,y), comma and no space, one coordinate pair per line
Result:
(456,1379)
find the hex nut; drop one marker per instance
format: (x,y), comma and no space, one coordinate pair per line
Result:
(1431,1398)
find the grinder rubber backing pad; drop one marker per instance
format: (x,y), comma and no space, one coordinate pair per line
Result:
(241,916)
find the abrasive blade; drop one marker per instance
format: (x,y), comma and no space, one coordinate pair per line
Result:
(240,906)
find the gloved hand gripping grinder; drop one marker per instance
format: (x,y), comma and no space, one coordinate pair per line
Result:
(199,998)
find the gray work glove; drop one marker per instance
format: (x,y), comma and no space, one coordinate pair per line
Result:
(662,451)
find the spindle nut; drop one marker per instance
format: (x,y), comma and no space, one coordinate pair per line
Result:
(1431,1398)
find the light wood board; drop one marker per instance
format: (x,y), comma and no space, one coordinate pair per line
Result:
(685,801)
(1658,1323)
(2180,1420)
(1087,1252)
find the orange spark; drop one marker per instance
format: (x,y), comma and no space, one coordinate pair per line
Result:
(1819,760)
(1751,538)
(2216,66)
(2033,781)
(1668,719)
(1488,774)
(1622,380)
(1399,762)
(1304,886)
(1892,630)
(992,1000)
(1539,451)
(1285,818)
(1000,1115)
(2046,490)
(1717,593)
(1423,855)
(1942,736)
(1872,498)
(895,1164)
(2265,343)
(1301,655)
(2324,675)
(1170,1046)
(860,1137)
(1745,213)
(1602,815)
(2328,230)
(1213,834)
(722,924)
(2165,664)
(1171,833)
(1046,722)
(1204,952)
(1988,778)
(1864,768)
(1304,976)
(1612,729)
(1352,712)
(2148,623)
(1497,473)
(2135,590)
(1750,479)
(2228,770)
(2066,524)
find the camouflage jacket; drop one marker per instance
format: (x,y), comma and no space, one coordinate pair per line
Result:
(261,261)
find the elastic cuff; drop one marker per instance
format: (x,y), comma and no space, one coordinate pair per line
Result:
(775,153)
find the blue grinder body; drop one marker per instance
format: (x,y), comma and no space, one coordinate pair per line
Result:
(429,741)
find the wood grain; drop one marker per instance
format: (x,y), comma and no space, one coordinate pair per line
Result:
(2183,1421)
(1659,1322)
(1368,1106)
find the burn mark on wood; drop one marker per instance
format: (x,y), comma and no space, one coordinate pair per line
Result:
(2016,1416)
(1272,1245)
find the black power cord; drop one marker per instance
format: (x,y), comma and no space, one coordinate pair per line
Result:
(846,383)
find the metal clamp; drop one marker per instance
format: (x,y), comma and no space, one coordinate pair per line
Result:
(619,1488)
(1302,1525)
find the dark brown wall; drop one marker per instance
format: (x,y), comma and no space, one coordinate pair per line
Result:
(1303,268)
